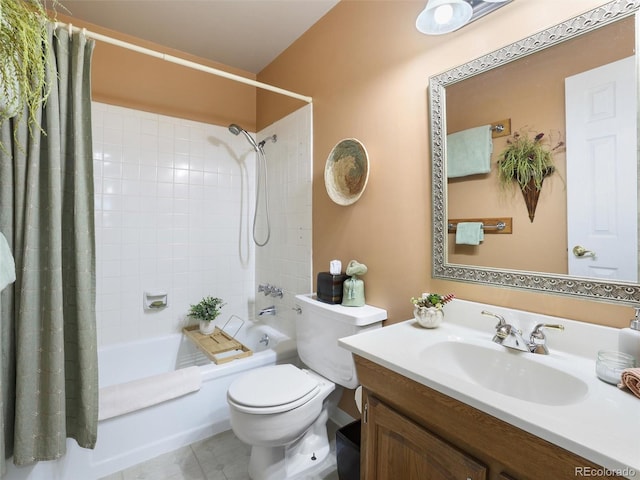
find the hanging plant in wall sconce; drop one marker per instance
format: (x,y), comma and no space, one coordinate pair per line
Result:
(24,52)
(527,162)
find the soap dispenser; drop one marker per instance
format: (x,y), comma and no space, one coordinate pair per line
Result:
(629,339)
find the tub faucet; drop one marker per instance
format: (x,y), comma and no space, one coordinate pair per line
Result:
(268,311)
(507,335)
(270,290)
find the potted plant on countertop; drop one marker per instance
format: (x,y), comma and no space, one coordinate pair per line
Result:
(206,311)
(428,310)
(527,162)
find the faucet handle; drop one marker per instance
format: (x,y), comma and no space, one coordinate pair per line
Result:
(537,331)
(501,320)
(503,330)
(537,340)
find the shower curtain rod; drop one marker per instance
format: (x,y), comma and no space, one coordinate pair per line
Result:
(184,63)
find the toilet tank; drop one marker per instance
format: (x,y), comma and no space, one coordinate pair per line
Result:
(319,325)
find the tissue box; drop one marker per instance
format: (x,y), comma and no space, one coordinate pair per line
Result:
(330,287)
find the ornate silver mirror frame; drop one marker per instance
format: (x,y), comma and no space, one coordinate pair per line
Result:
(594,289)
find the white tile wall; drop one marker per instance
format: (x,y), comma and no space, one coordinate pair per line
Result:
(174,207)
(285,261)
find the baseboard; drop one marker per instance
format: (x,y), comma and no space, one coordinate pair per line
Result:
(149,451)
(340,417)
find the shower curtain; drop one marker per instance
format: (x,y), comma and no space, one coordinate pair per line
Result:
(49,383)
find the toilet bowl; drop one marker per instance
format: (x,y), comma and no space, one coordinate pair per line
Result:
(282,410)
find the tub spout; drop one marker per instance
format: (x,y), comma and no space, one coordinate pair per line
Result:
(268,311)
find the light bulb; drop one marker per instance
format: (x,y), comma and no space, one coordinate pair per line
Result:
(443,14)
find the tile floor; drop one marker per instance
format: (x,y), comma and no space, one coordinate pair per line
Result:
(221,457)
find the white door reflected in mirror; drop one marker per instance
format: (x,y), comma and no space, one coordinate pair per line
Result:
(602,172)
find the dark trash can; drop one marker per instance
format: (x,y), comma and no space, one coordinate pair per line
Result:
(348,451)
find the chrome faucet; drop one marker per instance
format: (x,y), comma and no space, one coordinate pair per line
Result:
(510,337)
(506,335)
(270,290)
(268,311)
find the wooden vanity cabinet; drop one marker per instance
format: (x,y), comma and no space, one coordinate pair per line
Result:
(412,432)
(398,448)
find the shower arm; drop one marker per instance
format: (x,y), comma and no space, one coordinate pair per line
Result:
(273,138)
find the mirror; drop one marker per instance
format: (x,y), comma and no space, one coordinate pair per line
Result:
(535,254)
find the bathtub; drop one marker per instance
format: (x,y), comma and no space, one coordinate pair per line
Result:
(138,436)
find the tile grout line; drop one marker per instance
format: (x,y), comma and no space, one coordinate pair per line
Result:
(195,455)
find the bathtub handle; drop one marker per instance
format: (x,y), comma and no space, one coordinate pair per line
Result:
(297,309)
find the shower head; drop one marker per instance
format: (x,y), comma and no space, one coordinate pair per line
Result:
(237,130)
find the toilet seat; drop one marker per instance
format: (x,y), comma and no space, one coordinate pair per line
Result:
(272,389)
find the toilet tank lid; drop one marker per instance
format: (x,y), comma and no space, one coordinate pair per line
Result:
(271,386)
(359,316)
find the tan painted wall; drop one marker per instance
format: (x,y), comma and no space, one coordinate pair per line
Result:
(129,79)
(367,69)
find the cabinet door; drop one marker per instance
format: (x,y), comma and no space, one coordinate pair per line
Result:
(397,448)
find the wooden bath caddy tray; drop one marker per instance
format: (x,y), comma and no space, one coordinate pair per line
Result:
(219,346)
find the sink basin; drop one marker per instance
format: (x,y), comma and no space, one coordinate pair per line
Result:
(507,372)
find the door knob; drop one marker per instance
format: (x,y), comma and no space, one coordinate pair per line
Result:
(580,251)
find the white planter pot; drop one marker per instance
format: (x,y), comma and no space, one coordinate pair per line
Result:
(428,317)
(206,328)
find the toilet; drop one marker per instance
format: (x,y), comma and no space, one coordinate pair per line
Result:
(282,410)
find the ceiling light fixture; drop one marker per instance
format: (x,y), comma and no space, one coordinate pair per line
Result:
(443,16)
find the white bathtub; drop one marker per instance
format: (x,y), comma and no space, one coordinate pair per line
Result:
(135,437)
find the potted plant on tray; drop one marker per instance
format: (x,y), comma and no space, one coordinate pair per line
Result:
(527,161)
(427,308)
(206,311)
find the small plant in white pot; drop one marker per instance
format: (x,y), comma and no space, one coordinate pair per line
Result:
(206,311)
(427,309)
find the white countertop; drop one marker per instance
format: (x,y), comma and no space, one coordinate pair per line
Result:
(603,426)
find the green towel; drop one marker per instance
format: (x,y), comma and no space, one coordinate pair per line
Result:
(469,233)
(469,152)
(7,265)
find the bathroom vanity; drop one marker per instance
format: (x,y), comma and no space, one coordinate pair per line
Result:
(450,403)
